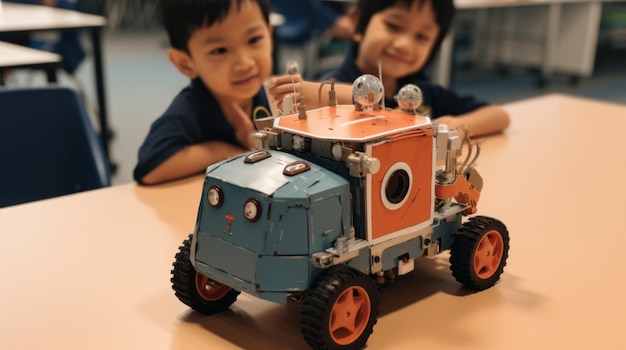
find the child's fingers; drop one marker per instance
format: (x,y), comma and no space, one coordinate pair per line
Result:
(283,89)
(285,82)
(282,86)
(243,126)
(286,79)
(293,96)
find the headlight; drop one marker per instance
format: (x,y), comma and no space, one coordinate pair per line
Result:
(296,168)
(252,209)
(215,196)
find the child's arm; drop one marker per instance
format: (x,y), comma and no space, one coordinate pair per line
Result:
(482,121)
(192,159)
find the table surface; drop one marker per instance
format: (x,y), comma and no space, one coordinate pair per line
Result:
(12,55)
(91,270)
(21,17)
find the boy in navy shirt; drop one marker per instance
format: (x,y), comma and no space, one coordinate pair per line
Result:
(402,36)
(224,47)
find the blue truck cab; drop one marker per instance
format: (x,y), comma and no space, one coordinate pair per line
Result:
(262,215)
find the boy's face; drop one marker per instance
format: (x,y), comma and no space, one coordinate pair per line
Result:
(231,57)
(401,40)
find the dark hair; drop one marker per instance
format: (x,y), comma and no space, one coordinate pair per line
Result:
(183,17)
(444,13)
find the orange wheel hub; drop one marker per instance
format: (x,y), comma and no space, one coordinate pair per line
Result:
(350,315)
(212,291)
(488,254)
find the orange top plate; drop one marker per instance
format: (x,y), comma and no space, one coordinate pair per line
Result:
(344,123)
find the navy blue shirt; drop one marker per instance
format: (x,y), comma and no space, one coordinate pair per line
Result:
(194,116)
(439,100)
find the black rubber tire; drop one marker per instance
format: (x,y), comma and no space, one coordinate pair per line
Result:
(466,244)
(319,301)
(185,284)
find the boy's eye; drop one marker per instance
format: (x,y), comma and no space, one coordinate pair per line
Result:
(393,26)
(255,39)
(423,37)
(218,51)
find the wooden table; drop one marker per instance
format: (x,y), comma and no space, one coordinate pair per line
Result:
(28,18)
(91,270)
(16,56)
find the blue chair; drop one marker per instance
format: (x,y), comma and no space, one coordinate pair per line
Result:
(48,146)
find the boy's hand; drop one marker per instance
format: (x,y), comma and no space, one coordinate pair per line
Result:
(286,85)
(243,126)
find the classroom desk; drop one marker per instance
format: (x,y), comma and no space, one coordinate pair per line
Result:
(16,56)
(28,18)
(91,270)
(559,36)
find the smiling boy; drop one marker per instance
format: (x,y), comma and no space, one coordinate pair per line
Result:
(402,37)
(224,47)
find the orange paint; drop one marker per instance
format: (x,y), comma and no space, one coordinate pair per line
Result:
(462,191)
(417,207)
(343,123)
(229,221)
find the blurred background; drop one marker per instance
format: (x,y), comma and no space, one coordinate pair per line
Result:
(141,82)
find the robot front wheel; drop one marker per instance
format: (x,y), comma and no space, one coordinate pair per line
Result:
(196,290)
(479,251)
(340,309)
